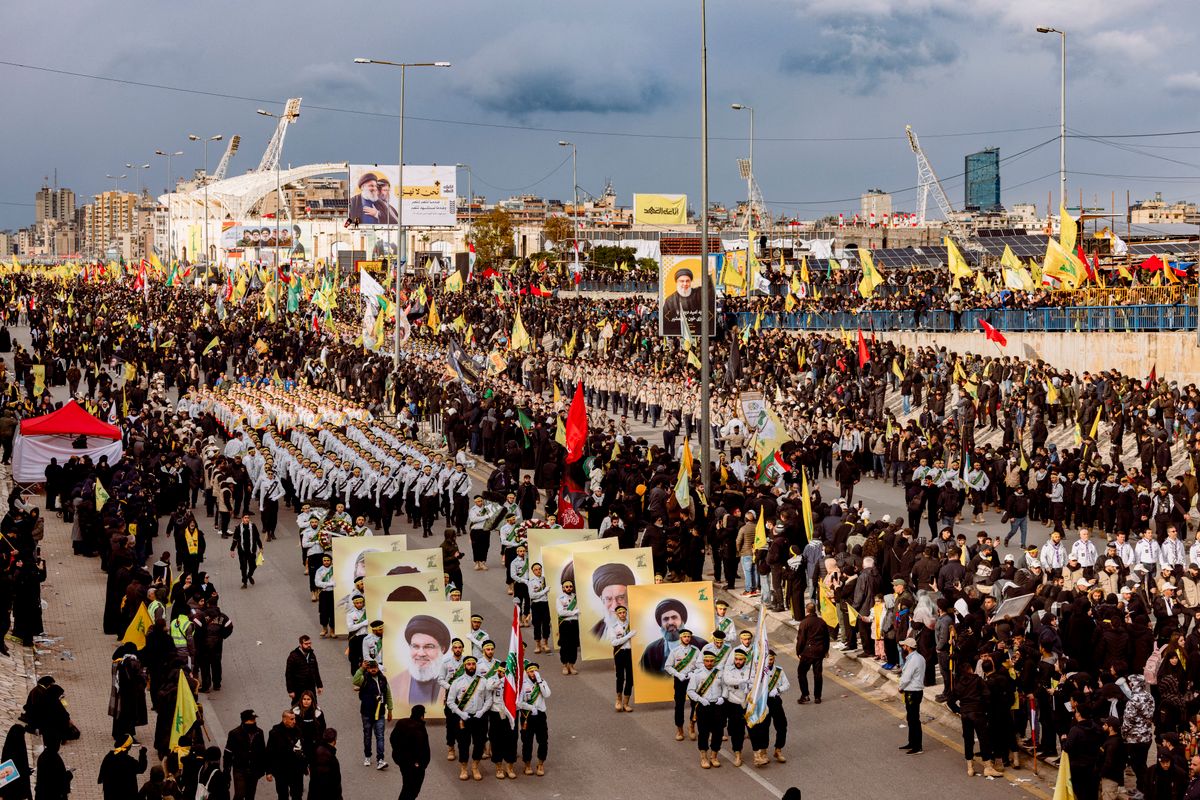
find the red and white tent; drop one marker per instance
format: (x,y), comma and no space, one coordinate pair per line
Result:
(39,439)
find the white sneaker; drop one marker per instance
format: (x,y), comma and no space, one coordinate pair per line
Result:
(367,761)
(381,764)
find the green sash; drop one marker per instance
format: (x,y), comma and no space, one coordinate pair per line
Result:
(570,606)
(468,693)
(458,673)
(686,659)
(708,682)
(724,623)
(775,673)
(724,651)
(492,669)
(534,693)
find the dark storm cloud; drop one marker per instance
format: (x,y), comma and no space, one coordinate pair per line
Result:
(870,52)
(555,92)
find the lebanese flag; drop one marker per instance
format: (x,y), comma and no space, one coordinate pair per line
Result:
(536,291)
(1091,273)
(992,334)
(514,668)
(229,286)
(864,355)
(576,429)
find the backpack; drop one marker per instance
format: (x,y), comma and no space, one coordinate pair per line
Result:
(202,789)
(1150,671)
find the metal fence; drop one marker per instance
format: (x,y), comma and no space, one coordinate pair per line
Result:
(618,286)
(1112,319)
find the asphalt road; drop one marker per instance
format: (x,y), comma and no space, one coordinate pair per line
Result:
(846,747)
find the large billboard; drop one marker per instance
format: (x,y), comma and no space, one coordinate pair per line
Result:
(660,209)
(429,195)
(602,581)
(658,612)
(679,296)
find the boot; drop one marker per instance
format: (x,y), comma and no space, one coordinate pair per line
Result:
(628,707)
(475,771)
(760,758)
(528,769)
(487,750)
(566,670)
(546,648)
(1015,758)
(737,758)
(971,768)
(541,769)
(499,772)
(779,756)
(571,666)
(692,730)
(713,760)
(450,753)
(704,760)
(617,705)
(462,772)
(509,771)
(993,769)
(678,734)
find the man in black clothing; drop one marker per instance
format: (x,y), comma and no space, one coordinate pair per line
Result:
(246,756)
(302,671)
(247,543)
(285,758)
(410,751)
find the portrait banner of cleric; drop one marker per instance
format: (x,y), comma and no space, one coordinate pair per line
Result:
(416,659)
(371,199)
(679,289)
(671,616)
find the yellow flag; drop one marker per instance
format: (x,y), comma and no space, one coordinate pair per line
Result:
(39,379)
(801,357)
(871,276)
(789,302)
(828,606)
(760,531)
(216,341)
(130,371)
(101,496)
(459,323)
(794,286)
(1051,393)
(1063,265)
(433,320)
(560,433)
(806,504)
(1095,425)
(957,265)
(557,394)
(454,282)
(899,373)
(1063,790)
(141,622)
(185,710)
(569,350)
(804,269)
(1067,231)
(520,338)
(1124,273)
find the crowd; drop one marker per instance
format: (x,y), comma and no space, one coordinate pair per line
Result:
(1095,656)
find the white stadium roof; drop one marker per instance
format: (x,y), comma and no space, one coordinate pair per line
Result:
(233,198)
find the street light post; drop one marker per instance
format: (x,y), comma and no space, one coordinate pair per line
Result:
(470,202)
(170,193)
(400,181)
(208,253)
(705,281)
(1062,116)
(575,200)
(138,174)
(750,174)
(114,179)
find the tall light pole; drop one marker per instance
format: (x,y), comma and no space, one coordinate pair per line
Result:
(208,253)
(137,172)
(400,181)
(1062,117)
(705,281)
(115,178)
(170,192)
(749,172)
(575,195)
(470,202)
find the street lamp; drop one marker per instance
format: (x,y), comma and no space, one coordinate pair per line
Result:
(400,180)
(170,192)
(470,202)
(575,193)
(138,174)
(749,172)
(207,253)
(278,188)
(1062,117)
(115,178)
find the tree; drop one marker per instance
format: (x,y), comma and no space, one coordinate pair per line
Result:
(493,237)
(559,230)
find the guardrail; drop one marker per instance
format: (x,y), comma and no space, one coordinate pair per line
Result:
(618,286)
(1110,319)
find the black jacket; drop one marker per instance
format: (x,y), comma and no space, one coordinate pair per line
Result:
(285,752)
(302,672)
(410,743)
(246,751)
(326,774)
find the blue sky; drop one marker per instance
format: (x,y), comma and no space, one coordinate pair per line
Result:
(848,74)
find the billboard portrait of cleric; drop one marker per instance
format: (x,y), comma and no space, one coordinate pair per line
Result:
(672,616)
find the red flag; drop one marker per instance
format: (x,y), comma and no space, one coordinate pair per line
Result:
(489,273)
(1091,273)
(864,355)
(1151,264)
(568,517)
(576,430)
(229,287)
(992,334)
(1153,376)
(578,277)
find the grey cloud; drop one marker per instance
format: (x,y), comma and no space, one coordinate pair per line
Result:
(870,51)
(554,91)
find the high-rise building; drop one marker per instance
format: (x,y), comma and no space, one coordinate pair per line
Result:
(56,205)
(877,202)
(983,180)
(109,224)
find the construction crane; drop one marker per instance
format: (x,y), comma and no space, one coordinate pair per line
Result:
(927,182)
(229,151)
(270,158)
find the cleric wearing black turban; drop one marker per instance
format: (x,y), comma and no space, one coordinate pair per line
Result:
(670,615)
